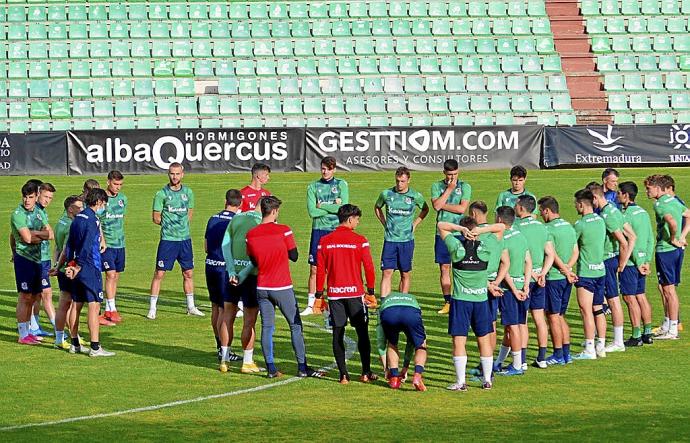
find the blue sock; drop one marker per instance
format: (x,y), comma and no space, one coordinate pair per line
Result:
(418,369)
(394,372)
(566,350)
(302,367)
(271,367)
(446,297)
(542,354)
(524,355)
(558,352)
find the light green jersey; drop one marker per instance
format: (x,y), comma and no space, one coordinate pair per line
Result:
(516,244)
(33,221)
(61,234)
(174,207)
(235,242)
(641,224)
(590,231)
(495,247)
(508,198)
(563,237)
(613,218)
(324,193)
(469,269)
(462,191)
(536,235)
(399,299)
(45,244)
(400,213)
(113,221)
(667,204)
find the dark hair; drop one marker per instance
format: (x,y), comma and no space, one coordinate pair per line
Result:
(233,197)
(609,171)
(506,214)
(549,203)
(94,196)
(260,167)
(175,165)
(91,184)
(69,201)
(666,182)
(328,162)
(347,211)
(268,204)
(596,189)
(468,222)
(628,188)
(584,196)
(29,188)
(518,171)
(451,165)
(402,170)
(115,175)
(46,187)
(480,206)
(653,180)
(35,181)
(527,202)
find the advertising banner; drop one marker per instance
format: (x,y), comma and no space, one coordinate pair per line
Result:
(36,153)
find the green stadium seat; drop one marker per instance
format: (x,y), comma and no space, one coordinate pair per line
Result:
(455,83)
(664,118)
(166,107)
(639,103)
(187,106)
(124,108)
(659,102)
(60,110)
(536,83)
(167,123)
(101,88)
(466,46)
(541,103)
(208,105)
(475,83)
(450,65)
(613,82)
(145,108)
(561,102)
(520,104)
(680,101)
(668,63)
(376,105)
(618,102)
(637,25)
(567,119)
(373,85)
(413,85)
(396,105)
(39,110)
(334,105)
(479,103)
(313,105)
(601,45)
(463,120)
(388,65)
(650,7)
(676,25)
(632,82)
(500,103)
(516,84)
(483,120)
(644,119)
(674,81)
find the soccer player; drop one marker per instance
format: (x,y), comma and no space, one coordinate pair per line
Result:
(469,304)
(559,278)
(609,181)
(450,198)
(671,238)
(242,274)
(399,223)
(113,227)
(89,184)
(45,198)
(539,247)
(324,197)
(28,231)
(590,232)
(619,243)
(341,256)
(518,178)
(633,277)
(513,304)
(400,312)
(270,247)
(173,207)
(251,193)
(223,305)
(84,268)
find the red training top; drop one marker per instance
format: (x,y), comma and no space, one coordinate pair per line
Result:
(341,255)
(268,245)
(250,197)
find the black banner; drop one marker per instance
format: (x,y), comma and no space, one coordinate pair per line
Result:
(199,150)
(617,145)
(35,153)
(474,147)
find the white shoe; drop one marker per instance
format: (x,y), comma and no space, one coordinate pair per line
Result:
(195,311)
(100,352)
(240,314)
(613,347)
(667,336)
(307,311)
(600,350)
(151,315)
(524,366)
(78,350)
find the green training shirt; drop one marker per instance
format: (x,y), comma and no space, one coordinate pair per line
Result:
(399,299)
(516,244)
(113,221)
(174,207)
(495,248)
(325,193)
(463,191)
(508,198)
(236,236)
(469,284)
(591,235)
(33,221)
(614,220)
(61,233)
(400,213)
(667,204)
(45,244)
(563,237)
(536,235)
(641,224)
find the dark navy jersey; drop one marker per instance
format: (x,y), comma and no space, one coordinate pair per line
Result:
(215,230)
(84,241)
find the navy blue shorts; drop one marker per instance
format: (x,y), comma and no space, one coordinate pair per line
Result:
(170,251)
(113,259)
(218,284)
(405,319)
(632,281)
(493,308)
(442,256)
(45,274)
(465,314)
(668,266)
(397,255)
(513,311)
(537,296)
(611,278)
(593,285)
(246,292)
(316,235)
(557,296)
(27,275)
(64,283)
(88,286)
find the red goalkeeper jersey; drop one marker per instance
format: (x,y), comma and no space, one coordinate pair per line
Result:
(341,255)
(250,197)
(268,245)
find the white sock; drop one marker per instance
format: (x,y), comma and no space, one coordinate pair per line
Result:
(34,322)
(52,322)
(240,306)
(517,359)
(589,346)
(502,354)
(23,328)
(666,324)
(618,335)
(311,298)
(59,337)
(601,341)
(152,303)
(460,363)
(224,353)
(673,327)
(248,356)
(110,305)
(487,366)
(190,301)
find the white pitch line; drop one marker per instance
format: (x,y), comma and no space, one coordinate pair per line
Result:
(350,345)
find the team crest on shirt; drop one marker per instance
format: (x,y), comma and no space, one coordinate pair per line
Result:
(334,189)
(184,198)
(121,203)
(458,190)
(408,200)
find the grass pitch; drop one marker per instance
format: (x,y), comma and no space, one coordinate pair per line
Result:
(641,394)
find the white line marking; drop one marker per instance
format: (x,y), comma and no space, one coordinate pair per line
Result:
(349,343)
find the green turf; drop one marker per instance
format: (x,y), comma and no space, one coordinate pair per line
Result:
(641,394)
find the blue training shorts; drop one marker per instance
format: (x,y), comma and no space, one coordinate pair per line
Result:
(218,284)
(632,282)
(170,251)
(513,311)
(557,296)
(316,235)
(405,319)
(88,286)
(668,266)
(593,285)
(537,296)
(113,259)
(64,283)
(45,274)
(27,275)
(397,255)
(611,278)
(465,314)
(246,292)
(441,254)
